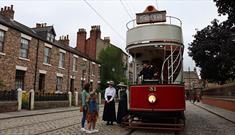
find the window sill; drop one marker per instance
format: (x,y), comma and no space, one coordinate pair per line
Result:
(1,53)
(47,64)
(24,59)
(61,68)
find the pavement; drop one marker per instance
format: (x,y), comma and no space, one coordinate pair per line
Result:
(226,114)
(25,113)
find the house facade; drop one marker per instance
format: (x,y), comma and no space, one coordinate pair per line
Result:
(31,58)
(93,45)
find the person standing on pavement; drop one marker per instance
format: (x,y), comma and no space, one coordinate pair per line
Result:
(109,113)
(92,113)
(122,106)
(85,94)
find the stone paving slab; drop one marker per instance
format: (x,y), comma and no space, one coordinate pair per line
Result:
(227,114)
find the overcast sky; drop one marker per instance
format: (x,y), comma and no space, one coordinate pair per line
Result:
(67,16)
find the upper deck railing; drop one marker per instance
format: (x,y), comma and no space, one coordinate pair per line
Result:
(169,20)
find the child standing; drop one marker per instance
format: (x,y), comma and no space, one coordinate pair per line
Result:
(92,113)
(85,95)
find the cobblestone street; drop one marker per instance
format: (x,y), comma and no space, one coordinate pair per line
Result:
(198,122)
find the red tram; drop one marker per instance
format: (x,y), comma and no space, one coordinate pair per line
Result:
(157,103)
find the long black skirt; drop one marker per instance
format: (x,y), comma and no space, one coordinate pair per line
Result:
(122,110)
(109,113)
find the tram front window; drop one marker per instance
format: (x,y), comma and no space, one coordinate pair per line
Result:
(149,74)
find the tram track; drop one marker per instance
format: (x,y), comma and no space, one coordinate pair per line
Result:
(35,123)
(155,132)
(60,128)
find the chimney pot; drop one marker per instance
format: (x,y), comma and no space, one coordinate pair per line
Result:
(8,12)
(81,30)
(107,39)
(64,40)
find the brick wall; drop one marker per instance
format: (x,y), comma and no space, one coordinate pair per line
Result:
(50,104)
(11,59)
(221,103)
(34,65)
(8,106)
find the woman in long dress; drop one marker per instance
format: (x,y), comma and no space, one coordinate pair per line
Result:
(109,113)
(122,106)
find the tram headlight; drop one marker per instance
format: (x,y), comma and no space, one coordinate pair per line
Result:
(152,98)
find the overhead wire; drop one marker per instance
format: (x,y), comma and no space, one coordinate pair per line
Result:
(104,19)
(130,9)
(126,9)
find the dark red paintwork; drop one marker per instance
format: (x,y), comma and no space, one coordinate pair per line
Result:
(169,98)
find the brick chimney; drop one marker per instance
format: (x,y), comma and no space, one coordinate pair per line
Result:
(64,40)
(41,25)
(107,39)
(81,40)
(95,32)
(8,12)
(91,45)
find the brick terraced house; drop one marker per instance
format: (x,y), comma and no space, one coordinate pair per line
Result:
(31,58)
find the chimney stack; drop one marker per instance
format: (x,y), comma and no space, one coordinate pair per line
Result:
(95,32)
(40,25)
(81,40)
(107,39)
(64,40)
(8,12)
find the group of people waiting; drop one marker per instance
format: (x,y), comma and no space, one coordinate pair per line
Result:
(90,107)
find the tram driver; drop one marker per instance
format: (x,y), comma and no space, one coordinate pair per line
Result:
(147,71)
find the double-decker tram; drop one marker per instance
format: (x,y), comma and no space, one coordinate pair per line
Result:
(156,98)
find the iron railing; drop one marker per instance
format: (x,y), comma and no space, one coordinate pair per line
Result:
(8,95)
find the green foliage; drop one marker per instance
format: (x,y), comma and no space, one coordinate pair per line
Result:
(213,51)
(226,7)
(112,66)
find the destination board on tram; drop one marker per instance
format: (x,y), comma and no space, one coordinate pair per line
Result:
(151,17)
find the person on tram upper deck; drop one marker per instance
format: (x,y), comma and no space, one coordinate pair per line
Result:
(147,71)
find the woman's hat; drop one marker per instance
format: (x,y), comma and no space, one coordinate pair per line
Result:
(110,82)
(121,84)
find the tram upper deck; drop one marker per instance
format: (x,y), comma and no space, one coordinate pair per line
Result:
(160,43)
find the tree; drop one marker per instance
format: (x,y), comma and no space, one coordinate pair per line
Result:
(226,7)
(111,65)
(214,52)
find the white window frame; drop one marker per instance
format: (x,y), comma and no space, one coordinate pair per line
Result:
(62,60)
(2,42)
(22,45)
(48,56)
(75,64)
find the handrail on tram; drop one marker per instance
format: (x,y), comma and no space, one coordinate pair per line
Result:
(170,22)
